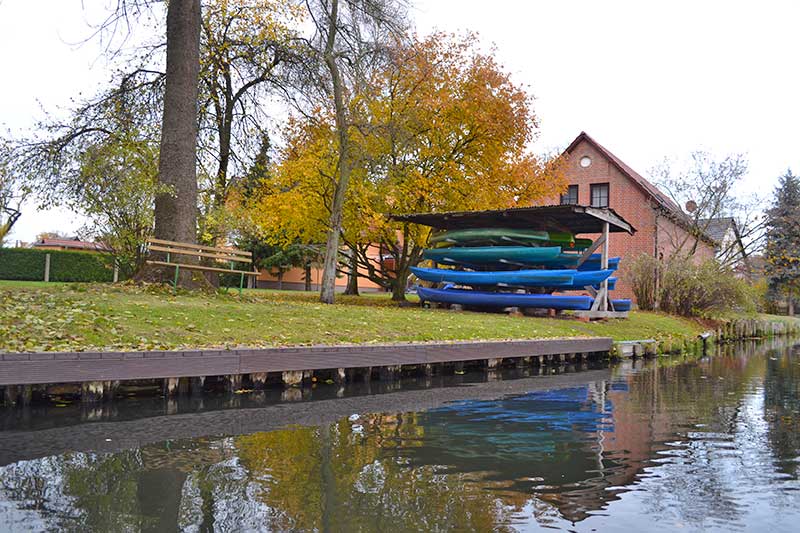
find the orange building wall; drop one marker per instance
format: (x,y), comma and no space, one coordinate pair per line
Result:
(294,278)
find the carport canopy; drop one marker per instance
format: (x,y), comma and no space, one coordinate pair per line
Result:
(571,218)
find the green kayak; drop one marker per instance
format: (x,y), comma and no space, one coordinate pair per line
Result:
(527,255)
(581,244)
(562,238)
(478,236)
(500,236)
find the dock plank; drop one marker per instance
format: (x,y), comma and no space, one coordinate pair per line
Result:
(69,367)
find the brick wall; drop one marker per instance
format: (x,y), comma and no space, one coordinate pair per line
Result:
(672,238)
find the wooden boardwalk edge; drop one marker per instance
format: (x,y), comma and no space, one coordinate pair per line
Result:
(72,367)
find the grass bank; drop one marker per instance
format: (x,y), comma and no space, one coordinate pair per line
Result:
(35,316)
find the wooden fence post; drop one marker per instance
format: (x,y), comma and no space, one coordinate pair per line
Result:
(46,268)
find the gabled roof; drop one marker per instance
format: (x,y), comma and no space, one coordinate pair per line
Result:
(649,189)
(572,218)
(716,228)
(667,205)
(74,244)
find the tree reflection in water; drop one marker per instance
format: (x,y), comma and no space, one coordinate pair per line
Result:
(698,443)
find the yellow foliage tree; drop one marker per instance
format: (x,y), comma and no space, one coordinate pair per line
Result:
(442,128)
(243,45)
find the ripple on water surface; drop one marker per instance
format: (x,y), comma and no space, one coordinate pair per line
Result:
(708,444)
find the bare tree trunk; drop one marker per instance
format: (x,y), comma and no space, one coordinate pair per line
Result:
(176,212)
(221,181)
(332,245)
(327,292)
(656,270)
(352,275)
(399,286)
(307,277)
(791,303)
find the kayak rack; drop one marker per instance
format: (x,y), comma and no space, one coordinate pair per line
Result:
(575,219)
(602,307)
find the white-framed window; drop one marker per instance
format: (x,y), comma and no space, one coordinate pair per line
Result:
(571,196)
(599,194)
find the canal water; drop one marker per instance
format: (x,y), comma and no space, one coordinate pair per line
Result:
(681,443)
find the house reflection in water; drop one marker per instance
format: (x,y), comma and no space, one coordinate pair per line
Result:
(564,447)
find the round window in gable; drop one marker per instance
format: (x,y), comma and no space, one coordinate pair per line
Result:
(586,161)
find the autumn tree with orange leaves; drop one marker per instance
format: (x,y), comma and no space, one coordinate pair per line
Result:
(441,128)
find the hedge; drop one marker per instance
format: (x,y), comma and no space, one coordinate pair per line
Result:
(27,264)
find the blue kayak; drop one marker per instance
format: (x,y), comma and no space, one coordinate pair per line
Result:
(621,305)
(522,278)
(612,284)
(517,278)
(593,263)
(567,259)
(504,299)
(562,260)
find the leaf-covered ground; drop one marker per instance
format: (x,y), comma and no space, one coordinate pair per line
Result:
(45,317)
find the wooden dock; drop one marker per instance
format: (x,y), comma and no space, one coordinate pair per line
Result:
(291,364)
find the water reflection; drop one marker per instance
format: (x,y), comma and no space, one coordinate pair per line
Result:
(708,443)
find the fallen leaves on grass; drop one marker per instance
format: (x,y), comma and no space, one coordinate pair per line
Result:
(48,321)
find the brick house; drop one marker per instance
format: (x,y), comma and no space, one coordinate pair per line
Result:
(599,178)
(730,250)
(70,244)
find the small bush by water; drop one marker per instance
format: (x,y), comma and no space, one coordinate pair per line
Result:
(681,287)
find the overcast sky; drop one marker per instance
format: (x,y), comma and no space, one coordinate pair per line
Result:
(646,79)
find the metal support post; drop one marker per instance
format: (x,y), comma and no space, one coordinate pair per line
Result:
(604,266)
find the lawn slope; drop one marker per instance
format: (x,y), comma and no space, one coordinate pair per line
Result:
(44,317)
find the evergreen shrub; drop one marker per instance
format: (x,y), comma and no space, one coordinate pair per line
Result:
(27,264)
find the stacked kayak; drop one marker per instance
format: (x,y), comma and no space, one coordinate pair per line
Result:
(504,299)
(514,278)
(511,299)
(507,237)
(502,267)
(488,236)
(510,256)
(489,255)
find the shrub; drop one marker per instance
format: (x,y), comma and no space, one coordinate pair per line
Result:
(231,280)
(21,264)
(642,274)
(27,264)
(681,287)
(758,294)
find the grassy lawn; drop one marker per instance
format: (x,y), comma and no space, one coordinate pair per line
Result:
(35,316)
